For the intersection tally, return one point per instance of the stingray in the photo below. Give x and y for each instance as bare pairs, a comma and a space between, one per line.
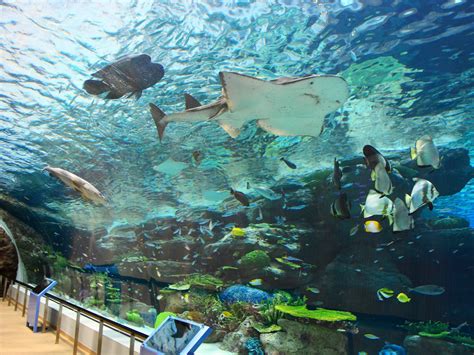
284, 107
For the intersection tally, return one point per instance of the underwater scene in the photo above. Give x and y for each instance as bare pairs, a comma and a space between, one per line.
294, 174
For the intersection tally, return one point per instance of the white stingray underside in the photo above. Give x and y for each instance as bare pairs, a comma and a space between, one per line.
285, 107
290, 107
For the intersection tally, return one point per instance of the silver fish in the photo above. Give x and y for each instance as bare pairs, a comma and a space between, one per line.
402, 221
423, 193
426, 153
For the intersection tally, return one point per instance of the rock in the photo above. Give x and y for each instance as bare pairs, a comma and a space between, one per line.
8, 256
176, 249
304, 339
241, 293
418, 345
109, 248
351, 282
235, 341
450, 222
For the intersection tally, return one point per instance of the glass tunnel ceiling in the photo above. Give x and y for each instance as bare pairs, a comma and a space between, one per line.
414, 77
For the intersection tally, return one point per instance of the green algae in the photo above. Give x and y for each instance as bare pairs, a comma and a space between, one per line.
160, 318
320, 314
262, 329
134, 317
255, 260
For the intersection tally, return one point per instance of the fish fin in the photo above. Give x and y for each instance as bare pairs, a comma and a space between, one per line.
191, 101
373, 175
430, 206
407, 200
231, 129
112, 95
138, 94
390, 219
413, 153
158, 117
95, 87
362, 208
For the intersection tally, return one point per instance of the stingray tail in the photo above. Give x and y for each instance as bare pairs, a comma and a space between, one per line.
158, 117
95, 87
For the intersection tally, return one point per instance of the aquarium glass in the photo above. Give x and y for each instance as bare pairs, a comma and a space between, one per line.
277, 210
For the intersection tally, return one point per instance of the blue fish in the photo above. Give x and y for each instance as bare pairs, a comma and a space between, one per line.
392, 349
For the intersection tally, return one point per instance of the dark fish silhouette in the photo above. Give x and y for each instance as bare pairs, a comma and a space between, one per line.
240, 196
373, 157
341, 208
130, 75
288, 163
181, 329
197, 156
337, 175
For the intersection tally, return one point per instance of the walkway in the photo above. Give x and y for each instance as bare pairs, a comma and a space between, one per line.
16, 338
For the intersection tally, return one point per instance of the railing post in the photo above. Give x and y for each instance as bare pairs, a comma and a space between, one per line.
25, 299
45, 314
9, 291
17, 295
76, 333
58, 327
5, 286
99, 341
132, 344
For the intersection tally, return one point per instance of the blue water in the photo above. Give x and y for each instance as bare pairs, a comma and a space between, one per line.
409, 67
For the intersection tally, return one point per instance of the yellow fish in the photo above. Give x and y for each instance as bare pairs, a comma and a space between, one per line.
403, 298
237, 232
226, 314
372, 227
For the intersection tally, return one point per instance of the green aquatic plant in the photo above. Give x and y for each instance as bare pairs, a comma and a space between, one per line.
262, 329
134, 317
256, 259
429, 327
205, 281
320, 314
438, 330
180, 287
160, 318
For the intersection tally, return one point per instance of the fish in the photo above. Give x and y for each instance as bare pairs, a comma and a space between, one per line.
341, 207
227, 314
197, 156
403, 298
380, 167
314, 290
372, 227
267, 193
130, 75
402, 221
86, 189
371, 336
426, 153
354, 230
384, 293
240, 196
372, 157
288, 263
337, 175
293, 259
423, 193
288, 163
256, 282
382, 184
284, 106
260, 215
428, 290
377, 205
181, 328
237, 232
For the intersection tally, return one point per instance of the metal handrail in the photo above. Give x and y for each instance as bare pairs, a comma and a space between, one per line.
103, 321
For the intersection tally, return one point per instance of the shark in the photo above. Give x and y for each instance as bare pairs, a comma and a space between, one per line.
284, 106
